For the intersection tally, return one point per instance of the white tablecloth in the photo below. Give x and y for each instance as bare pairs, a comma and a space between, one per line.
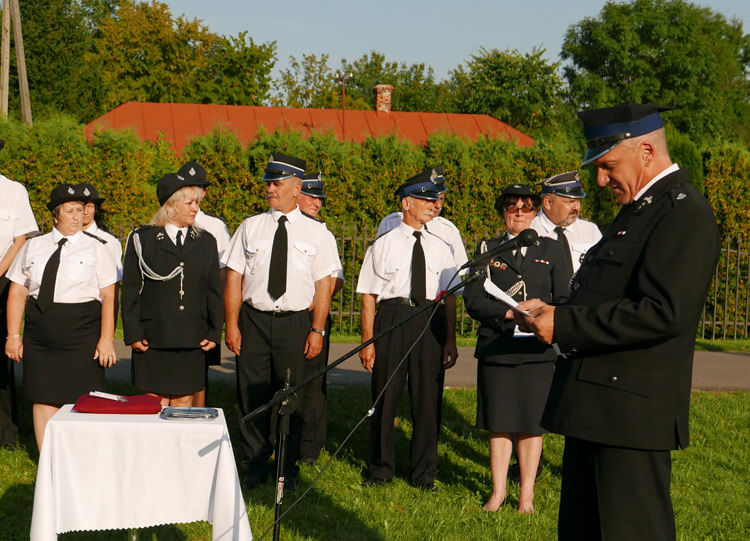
99, 472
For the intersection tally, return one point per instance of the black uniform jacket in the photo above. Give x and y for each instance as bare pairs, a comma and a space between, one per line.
545, 273
629, 326
157, 313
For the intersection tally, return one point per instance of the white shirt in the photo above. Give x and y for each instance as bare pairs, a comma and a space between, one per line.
671, 169
338, 271
16, 216
442, 227
217, 228
86, 266
311, 256
386, 269
581, 235
113, 244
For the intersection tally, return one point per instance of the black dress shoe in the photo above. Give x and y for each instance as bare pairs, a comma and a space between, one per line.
255, 479
374, 481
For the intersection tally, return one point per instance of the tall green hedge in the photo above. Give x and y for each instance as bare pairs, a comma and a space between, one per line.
360, 179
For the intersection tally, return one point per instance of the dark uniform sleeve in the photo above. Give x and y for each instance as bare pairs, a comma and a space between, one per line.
131, 299
480, 306
214, 300
662, 296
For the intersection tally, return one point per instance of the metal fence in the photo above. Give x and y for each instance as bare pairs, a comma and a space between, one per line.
725, 314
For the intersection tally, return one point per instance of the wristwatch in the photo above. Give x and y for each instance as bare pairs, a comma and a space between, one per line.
321, 332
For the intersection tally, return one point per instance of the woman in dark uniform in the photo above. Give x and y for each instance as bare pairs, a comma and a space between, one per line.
515, 370
172, 311
64, 281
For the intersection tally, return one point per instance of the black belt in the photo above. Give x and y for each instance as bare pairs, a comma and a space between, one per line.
403, 301
275, 313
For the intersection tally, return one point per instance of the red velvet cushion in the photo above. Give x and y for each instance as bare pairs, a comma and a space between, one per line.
142, 403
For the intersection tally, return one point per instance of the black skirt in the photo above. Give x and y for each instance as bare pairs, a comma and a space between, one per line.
511, 397
169, 371
58, 352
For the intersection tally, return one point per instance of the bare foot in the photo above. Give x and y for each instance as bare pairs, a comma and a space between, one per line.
494, 503
526, 508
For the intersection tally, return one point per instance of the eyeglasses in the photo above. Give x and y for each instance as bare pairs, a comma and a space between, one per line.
513, 209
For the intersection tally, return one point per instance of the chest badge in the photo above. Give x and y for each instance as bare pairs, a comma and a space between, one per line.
622, 233
542, 261
500, 265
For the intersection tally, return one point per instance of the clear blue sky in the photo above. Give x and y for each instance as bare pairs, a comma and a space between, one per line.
440, 33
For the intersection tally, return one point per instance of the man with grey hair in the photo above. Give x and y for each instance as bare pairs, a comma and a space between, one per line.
560, 217
621, 390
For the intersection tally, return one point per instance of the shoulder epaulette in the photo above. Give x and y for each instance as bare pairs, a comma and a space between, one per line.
312, 217
95, 237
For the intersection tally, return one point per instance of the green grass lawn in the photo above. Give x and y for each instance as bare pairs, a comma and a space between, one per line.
710, 486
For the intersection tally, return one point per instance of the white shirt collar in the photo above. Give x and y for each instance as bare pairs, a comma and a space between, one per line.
669, 170
172, 230
408, 230
56, 236
291, 216
545, 222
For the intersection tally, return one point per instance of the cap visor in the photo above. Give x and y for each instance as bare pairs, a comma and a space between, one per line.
597, 152
268, 176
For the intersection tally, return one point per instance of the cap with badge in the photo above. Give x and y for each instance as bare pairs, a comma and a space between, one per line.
312, 185
565, 184
606, 128
194, 174
90, 193
440, 180
64, 193
516, 191
281, 166
423, 185
169, 184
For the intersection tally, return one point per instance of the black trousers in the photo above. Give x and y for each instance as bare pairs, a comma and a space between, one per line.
424, 370
8, 405
615, 493
271, 344
315, 413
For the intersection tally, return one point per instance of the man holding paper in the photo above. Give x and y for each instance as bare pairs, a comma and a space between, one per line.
515, 370
621, 390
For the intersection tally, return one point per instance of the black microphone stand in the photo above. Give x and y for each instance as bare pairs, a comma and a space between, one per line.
287, 397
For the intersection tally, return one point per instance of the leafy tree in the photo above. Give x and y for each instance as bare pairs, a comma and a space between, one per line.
310, 82
664, 51
415, 88
523, 90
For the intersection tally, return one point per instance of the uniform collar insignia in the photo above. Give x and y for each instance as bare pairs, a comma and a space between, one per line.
192, 234
160, 236
681, 195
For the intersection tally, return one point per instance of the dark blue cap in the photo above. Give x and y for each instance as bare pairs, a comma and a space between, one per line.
64, 193
281, 166
91, 193
423, 185
169, 184
606, 128
312, 185
516, 191
194, 174
565, 184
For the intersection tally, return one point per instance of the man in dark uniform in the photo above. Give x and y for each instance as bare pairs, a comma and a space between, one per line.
621, 390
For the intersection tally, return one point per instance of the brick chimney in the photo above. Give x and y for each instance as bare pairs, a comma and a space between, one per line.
383, 95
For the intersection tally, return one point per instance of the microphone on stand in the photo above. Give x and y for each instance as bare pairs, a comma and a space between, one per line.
527, 237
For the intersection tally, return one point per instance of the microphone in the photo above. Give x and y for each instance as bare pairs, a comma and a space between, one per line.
527, 237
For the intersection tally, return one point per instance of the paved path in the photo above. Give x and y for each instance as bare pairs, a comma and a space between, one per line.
711, 370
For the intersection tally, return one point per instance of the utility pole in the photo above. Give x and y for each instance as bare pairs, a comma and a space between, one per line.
12, 12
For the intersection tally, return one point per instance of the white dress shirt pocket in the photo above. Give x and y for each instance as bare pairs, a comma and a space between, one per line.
255, 254
79, 267
303, 255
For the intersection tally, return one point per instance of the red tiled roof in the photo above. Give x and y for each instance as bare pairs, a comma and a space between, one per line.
180, 122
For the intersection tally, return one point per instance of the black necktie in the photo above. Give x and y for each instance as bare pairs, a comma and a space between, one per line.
179, 240
564, 240
46, 296
518, 258
418, 271
277, 268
